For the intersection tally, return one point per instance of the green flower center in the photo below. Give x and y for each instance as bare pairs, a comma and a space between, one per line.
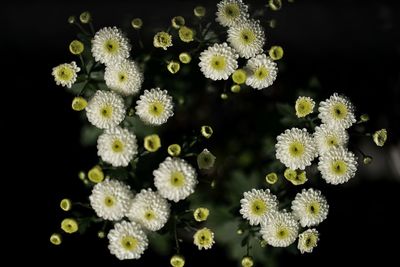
122, 77
177, 179
331, 141
149, 215
117, 146
247, 36
258, 207
109, 201
111, 46
304, 107
156, 108
261, 73
232, 11
339, 111
129, 243
218, 63
296, 149
339, 167
106, 111
65, 73
313, 208
282, 233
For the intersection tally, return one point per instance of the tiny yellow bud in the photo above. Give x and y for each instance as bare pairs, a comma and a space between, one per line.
380, 137
76, 47
185, 58
55, 239
186, 34
206, 131
177, 22
235, 88
204, 238
224, 96
300, 179
271, 178
65, 204
137, 23
364, 118
101, 234
275, 52
239, 76
69, 225
162, 40
201, 214
173, 67
290, 174
367, 160
199, 11
85, 17
177, 261
275, 4
82, 175
71, 19
174, 150
79, 103
247, 261
152, 142
239, 231
96, 174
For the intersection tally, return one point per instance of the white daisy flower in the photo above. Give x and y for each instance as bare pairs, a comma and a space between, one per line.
256, 205
127, 241
105, 109
337, 166
117, 146
337, 111
66, 74
230, 12
280, 230
262, 72
155, 106
310, 207
150, 210
327, 138
308, 240
110, 46
295, 148
218, 62
110, 199
124, 77
247, 38
175, 179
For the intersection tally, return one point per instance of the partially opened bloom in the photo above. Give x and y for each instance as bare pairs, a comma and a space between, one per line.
66, 74
308, 240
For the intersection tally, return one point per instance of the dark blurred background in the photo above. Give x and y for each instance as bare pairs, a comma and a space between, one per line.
352, 47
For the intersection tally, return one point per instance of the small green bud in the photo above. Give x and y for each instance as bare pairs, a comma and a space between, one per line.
173, 67
199, 11
85, 17
235, 88
137, 23
224, 96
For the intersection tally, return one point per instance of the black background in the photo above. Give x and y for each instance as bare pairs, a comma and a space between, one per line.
351, 46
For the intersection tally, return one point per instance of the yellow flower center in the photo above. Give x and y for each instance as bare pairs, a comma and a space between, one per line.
311, 241
156, 108
129, 243
122, 77
339, 111
177, 179
232, 11
313, 208
261, 73
258, 207
117, 146
331, 141
106, 111
65, 73
303, 107
282, 233
296, 149
111, 46
339, 167
218, 63
247, 36
149, 215
109, 201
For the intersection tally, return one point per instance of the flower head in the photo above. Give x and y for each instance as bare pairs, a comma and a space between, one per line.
152, 142
275, 52
124, 77
79, 103
337, 111
262, 72
177, 261
66, 74
304, 106
201, 214
56, 239
328, 138
96, 174
186, 34
308, 240
174, 150
162, 40
230, 12
69, 225
256, 205
204, 238
380, 137
280, 230
205, 160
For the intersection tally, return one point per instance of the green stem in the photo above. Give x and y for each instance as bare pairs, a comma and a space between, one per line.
176, 236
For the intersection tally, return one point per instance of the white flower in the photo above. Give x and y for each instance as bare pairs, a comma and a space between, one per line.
308, 240
117, 146
110, 199
262, 72
218, 62
337, 111
124, 77
150, 210
175, 179
280, 230
247, 38
295, 148
337, 166
256, 205
230, 12
65, 74
310, 207
110, 46
105, 110
327, 138
127, 241
155, 106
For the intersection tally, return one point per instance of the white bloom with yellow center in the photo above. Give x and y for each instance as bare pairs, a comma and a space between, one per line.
124, 77
149, 209
127, 241
105, 109
280, 230
155, 106
327, 138
256, 205
337, 111
66, 74
310, 207
262, 72
110, 46
175, 179
308, 240
204, 238
247, 38
295, 148
230, 12
218, 62
117, 146
304, 106
110, 199
337, 166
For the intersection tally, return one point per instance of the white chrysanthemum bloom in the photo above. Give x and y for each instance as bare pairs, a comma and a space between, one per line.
127, 241
280, 230
327, 138
218, 62
155, 106
256, 205
262, 72
150, 210
65, 74
337, 111
337, 166
110, 46
175, 179
295, 148
110, 199
247, 38
310, 207
105, 109
230, 12
124, 77
117, 146
308, 240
